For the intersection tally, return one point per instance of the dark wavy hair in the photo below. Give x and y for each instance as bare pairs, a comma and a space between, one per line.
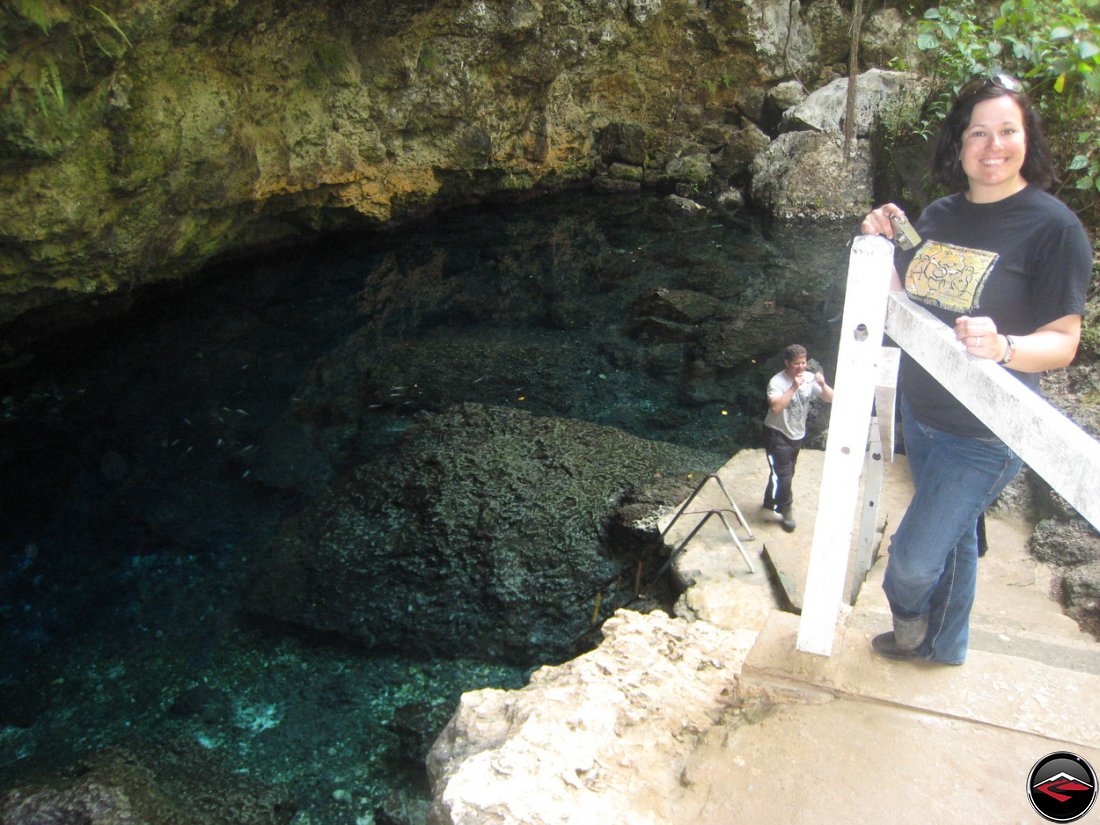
793, 352
1038, 165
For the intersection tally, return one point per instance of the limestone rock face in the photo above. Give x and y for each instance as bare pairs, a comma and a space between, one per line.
577, 736
208, 127
802, 174
784, 42
143, 143
458, 546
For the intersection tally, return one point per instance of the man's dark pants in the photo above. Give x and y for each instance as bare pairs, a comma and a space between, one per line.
782, 456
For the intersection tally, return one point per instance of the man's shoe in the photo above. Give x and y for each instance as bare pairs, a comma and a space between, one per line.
787, 520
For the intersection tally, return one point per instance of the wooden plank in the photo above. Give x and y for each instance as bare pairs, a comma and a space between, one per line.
1052, 445
861, 330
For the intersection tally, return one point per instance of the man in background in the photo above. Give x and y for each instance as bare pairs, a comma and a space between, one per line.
789, 395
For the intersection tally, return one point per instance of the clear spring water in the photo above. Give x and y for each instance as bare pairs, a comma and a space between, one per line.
132, 518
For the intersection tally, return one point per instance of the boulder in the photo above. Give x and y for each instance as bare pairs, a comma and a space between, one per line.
1081, 595
879, 94
805, 174
778, 100
635, 706
733, 157
807, 171
1065, 543
694, 169
485, 536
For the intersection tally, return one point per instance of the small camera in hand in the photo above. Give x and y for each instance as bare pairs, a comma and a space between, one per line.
905, 236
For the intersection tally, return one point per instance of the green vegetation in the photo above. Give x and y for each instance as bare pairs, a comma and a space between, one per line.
49, 87
42, 68
1054, 47
35, 11
329, 61
427, 59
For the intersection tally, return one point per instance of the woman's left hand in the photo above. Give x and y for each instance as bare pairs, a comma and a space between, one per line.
980, 337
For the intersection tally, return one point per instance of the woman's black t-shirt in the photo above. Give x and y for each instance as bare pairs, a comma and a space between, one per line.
1023, 261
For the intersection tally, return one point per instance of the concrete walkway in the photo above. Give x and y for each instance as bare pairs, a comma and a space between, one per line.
854, 738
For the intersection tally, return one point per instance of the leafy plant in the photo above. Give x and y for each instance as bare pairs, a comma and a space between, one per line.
1052, 45
35, 11
49, 87
113, 26
1087, 164
45, 65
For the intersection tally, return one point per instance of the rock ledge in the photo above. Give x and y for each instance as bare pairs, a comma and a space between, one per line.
568, 741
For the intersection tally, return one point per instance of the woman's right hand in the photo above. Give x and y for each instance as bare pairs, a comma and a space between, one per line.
877, 221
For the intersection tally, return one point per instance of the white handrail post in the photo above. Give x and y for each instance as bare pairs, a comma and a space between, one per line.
869, 268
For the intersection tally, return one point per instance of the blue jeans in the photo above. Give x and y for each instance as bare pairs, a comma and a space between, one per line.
933, 565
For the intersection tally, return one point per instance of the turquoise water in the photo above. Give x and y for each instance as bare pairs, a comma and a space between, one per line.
145, 466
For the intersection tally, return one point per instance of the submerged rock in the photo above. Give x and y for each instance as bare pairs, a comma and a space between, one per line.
171, 784
486, 535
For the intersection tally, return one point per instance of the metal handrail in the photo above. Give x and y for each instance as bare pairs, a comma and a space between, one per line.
699, 526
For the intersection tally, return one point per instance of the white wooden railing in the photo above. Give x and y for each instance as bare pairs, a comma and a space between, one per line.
1065, 456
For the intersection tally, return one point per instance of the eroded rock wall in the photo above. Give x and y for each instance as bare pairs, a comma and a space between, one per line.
140, 141
212, 126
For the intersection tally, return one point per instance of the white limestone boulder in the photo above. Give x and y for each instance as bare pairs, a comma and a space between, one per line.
604, 737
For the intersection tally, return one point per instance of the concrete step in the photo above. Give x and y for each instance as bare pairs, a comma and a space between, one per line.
1056, 651
1014, 613
1006, 691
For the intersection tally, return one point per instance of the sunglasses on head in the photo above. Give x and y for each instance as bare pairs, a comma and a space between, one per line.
1001, 81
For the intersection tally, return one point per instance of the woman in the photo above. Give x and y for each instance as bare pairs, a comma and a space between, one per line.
1008, 266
